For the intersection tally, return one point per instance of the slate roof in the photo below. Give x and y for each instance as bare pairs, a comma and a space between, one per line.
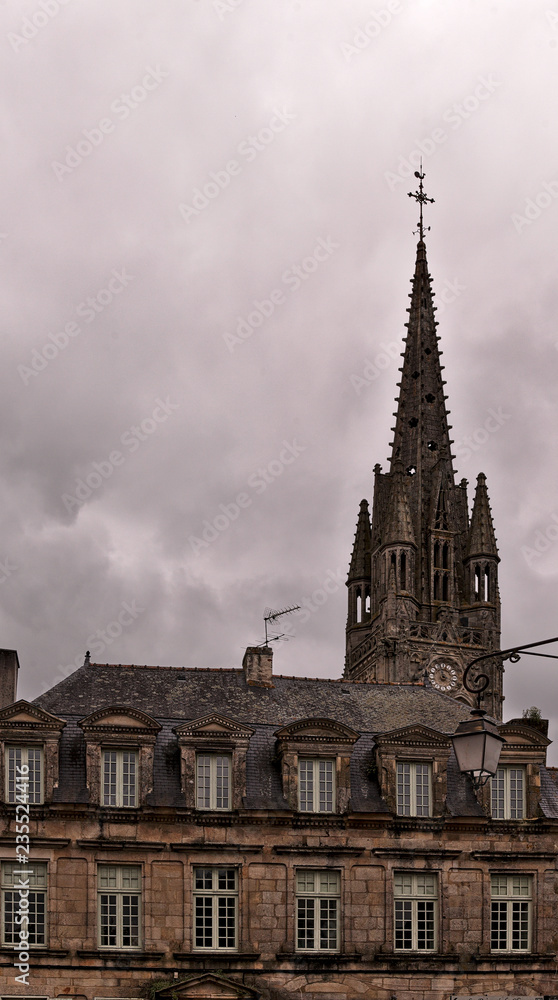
174, 695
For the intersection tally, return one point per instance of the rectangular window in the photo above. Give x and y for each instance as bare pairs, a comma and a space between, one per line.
215, 909
508, 793
416, 911
120, 778
316, 785
119, 905
213, 781
413, 789
511, 912
33, 878
317, 910
31, 784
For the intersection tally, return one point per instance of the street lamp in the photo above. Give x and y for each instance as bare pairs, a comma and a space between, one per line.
477, 742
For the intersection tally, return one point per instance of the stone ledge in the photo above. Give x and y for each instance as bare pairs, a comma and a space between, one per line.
113, 954
208, 846
226, 956
316, 957
322, 849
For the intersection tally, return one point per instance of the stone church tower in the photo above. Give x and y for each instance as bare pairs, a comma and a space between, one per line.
423, 577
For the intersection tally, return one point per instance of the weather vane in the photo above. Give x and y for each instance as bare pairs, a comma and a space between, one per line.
422, 199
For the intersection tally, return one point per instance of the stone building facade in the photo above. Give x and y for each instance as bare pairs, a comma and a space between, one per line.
235, 834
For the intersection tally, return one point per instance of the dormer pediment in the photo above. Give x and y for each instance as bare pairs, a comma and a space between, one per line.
206, 986
517, 734
119, 720
213, 726
25, 716
414, 736
326, 730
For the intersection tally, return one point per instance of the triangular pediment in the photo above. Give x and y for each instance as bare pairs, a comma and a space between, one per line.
207, 986
214, 725
313, 729
519, 733
23, 714
119, 718
416, 735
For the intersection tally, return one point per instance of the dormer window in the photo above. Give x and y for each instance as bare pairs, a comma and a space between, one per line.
120, 778
29, 740
213, 781
315, 757
213, 762
507, 789
119, 750
316, 785
414, 795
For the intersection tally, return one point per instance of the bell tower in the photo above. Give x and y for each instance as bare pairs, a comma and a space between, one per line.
423, 578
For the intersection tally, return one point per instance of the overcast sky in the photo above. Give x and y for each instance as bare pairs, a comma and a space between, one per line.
206, 245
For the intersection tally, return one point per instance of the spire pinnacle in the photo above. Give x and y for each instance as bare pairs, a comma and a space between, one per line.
421, 198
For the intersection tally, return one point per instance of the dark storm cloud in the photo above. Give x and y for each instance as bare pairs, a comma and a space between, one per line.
172, 175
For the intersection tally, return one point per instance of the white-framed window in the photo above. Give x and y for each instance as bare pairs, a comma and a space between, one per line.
32, 758
414, 782
215, 909
415, 911
32, 877
119, 906
318, 895
316, 785
510, 917
213, 781
508, 793
120, 778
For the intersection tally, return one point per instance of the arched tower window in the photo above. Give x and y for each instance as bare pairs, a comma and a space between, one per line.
403, 571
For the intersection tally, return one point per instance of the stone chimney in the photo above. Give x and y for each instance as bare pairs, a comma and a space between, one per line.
9, 666
258, 666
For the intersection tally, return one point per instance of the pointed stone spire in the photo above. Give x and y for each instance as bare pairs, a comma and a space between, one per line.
482, 540
399, 523
421, 429
359, 568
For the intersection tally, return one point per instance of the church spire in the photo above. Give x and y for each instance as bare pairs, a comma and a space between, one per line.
421, 430
359, 568
482, 540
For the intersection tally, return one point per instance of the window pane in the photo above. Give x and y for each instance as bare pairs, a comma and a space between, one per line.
203, 878
108, 920
34, 763
520, 925
130, 921
129, 768
422, 774
204, 781
226, 909
499, 925
222, 782
109, 778
306, 784
403, 923
305, 923
328, 924
204, 921
14, 761
516, 792
425, 925
325, 772
404, 789
305, 881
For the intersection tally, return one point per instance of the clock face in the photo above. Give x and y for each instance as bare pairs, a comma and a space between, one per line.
443, 676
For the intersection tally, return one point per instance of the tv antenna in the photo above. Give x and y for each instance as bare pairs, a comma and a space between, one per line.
270, 615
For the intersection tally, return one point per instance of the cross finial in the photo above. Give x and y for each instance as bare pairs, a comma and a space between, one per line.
421, 198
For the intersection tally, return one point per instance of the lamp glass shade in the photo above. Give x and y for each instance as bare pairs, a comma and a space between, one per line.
477, 744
